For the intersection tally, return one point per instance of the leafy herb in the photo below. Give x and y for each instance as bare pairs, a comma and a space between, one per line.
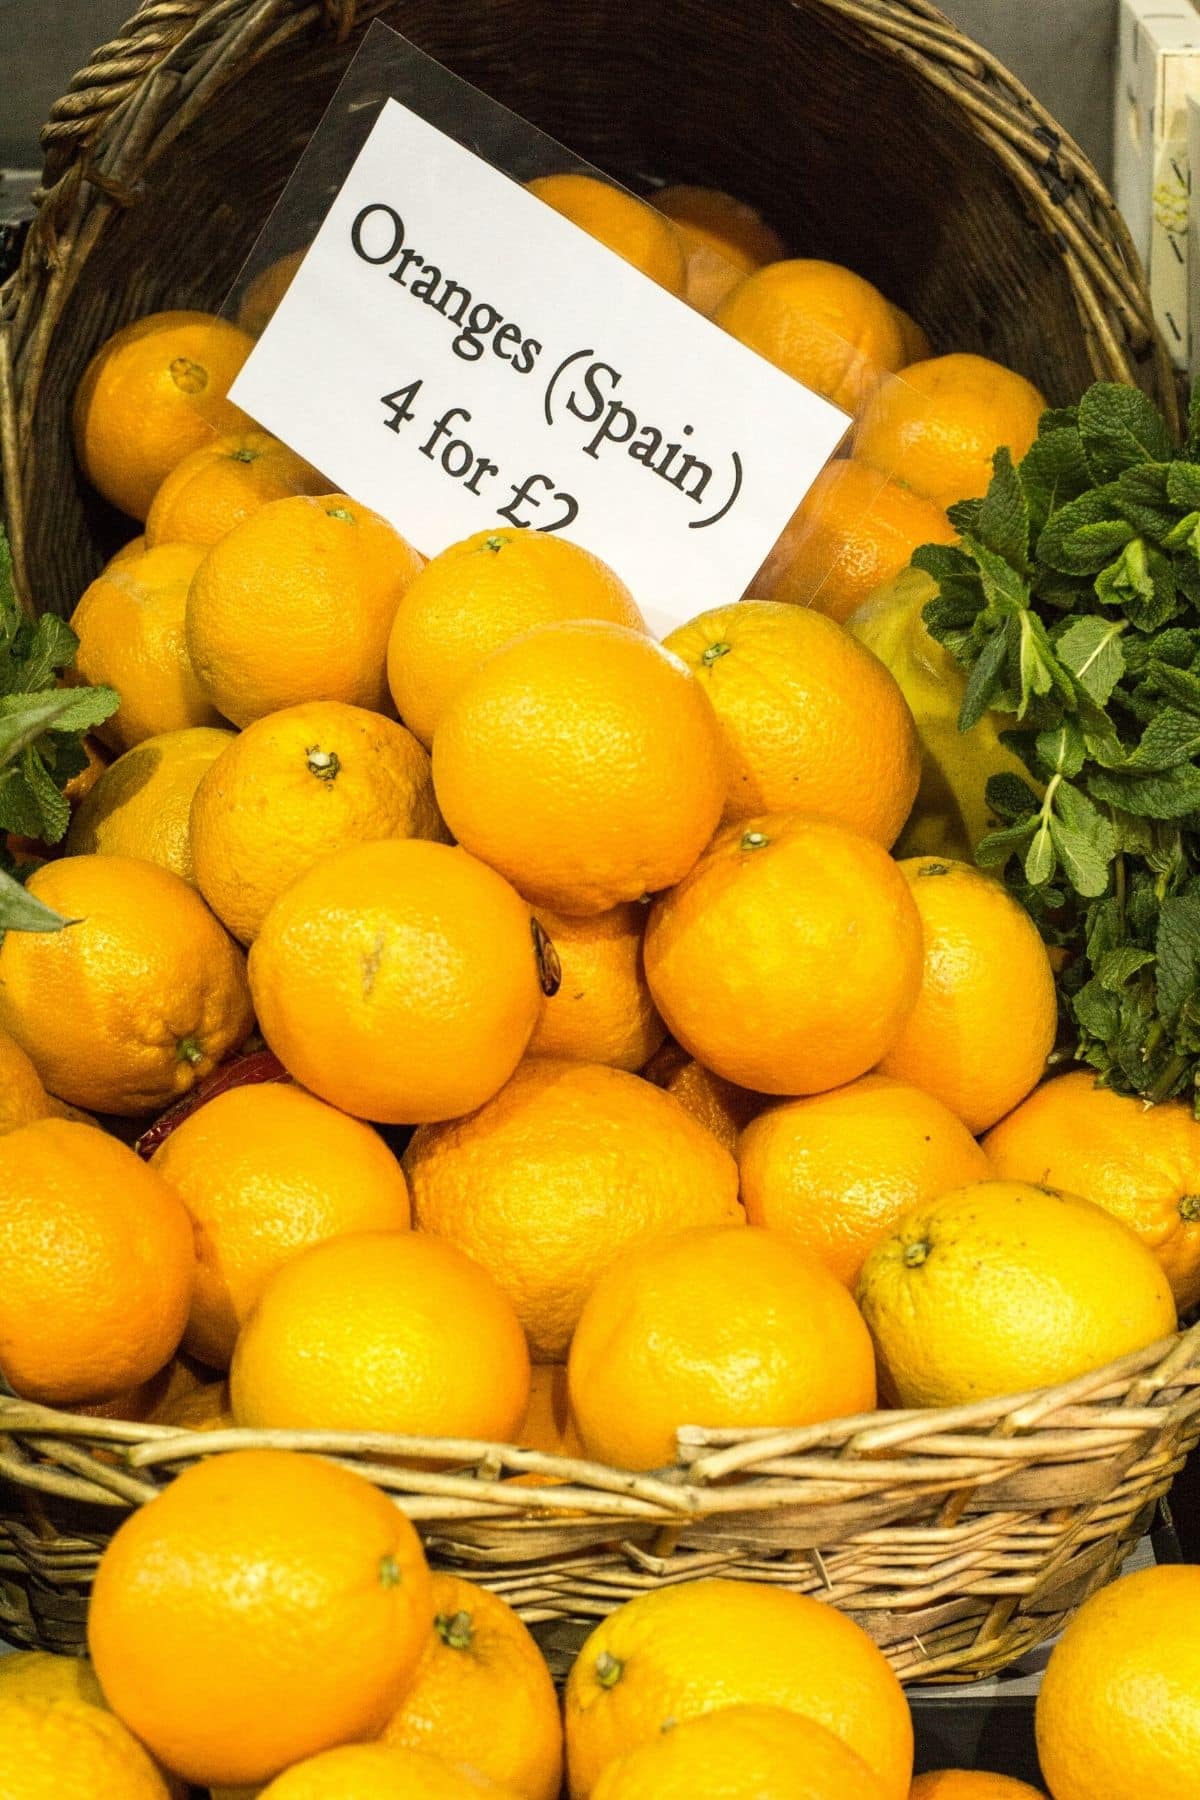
41, 742
1073, 601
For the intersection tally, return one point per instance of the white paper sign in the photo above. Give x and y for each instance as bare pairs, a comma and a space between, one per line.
455, 354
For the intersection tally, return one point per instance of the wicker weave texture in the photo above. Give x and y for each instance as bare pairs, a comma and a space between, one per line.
958, 1539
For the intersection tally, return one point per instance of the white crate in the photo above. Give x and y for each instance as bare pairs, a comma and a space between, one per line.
1158, 67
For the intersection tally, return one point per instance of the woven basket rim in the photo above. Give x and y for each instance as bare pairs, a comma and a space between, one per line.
1119, 1394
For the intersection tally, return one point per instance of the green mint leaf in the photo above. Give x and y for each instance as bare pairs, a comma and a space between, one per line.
1171, 795
1172, 737
1083, 864
1115, 967
1003, 587
1083, 537
53, 808
19, 810
1185, 533
993, 851
1119, 427
1040, 858
1011, 799
1142, 499
19, 911
985, 679
1128, 580
1097, 1011
1079, 814
1183, 485
1002, 521
1061, 751
51, 649
1037, 668
1053, 472
1177, 947
1179, 685
1058, 418
24, 717
1091, 649
964, 514
1193, 435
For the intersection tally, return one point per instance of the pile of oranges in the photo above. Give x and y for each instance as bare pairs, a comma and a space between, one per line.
558, 1056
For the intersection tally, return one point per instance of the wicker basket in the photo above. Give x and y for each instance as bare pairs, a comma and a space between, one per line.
868, 131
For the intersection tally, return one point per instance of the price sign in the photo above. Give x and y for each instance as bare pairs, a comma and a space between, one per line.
455, 354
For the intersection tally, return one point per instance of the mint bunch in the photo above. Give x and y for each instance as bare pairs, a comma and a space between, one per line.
41, 741
1073, 600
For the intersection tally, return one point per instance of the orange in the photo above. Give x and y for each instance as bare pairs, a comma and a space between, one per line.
37, 1675
602, 1011
265, 1606
22, 1096
138, 1001
152, 393
296, 603
130, 626
552, 1181
1001, 1287
1140, 1162
295, 787
741, 1753
852, 531
987, 1014
265, 1171
266, 290
938, 427
971, 1784
722, 1326
98, 759
790, 957
548, 1425
737, 230
810, 720
480, 594
382, 1331
208, 1409
917, 347
836, 1171
381, 1772
584, 762
718, 1105
1119, 1707
141, 804
482, 1694
398, 980
723, 238
627, 225
98, 1265
678, 1652
52, 1749
135, 547
222, 483
819, 323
